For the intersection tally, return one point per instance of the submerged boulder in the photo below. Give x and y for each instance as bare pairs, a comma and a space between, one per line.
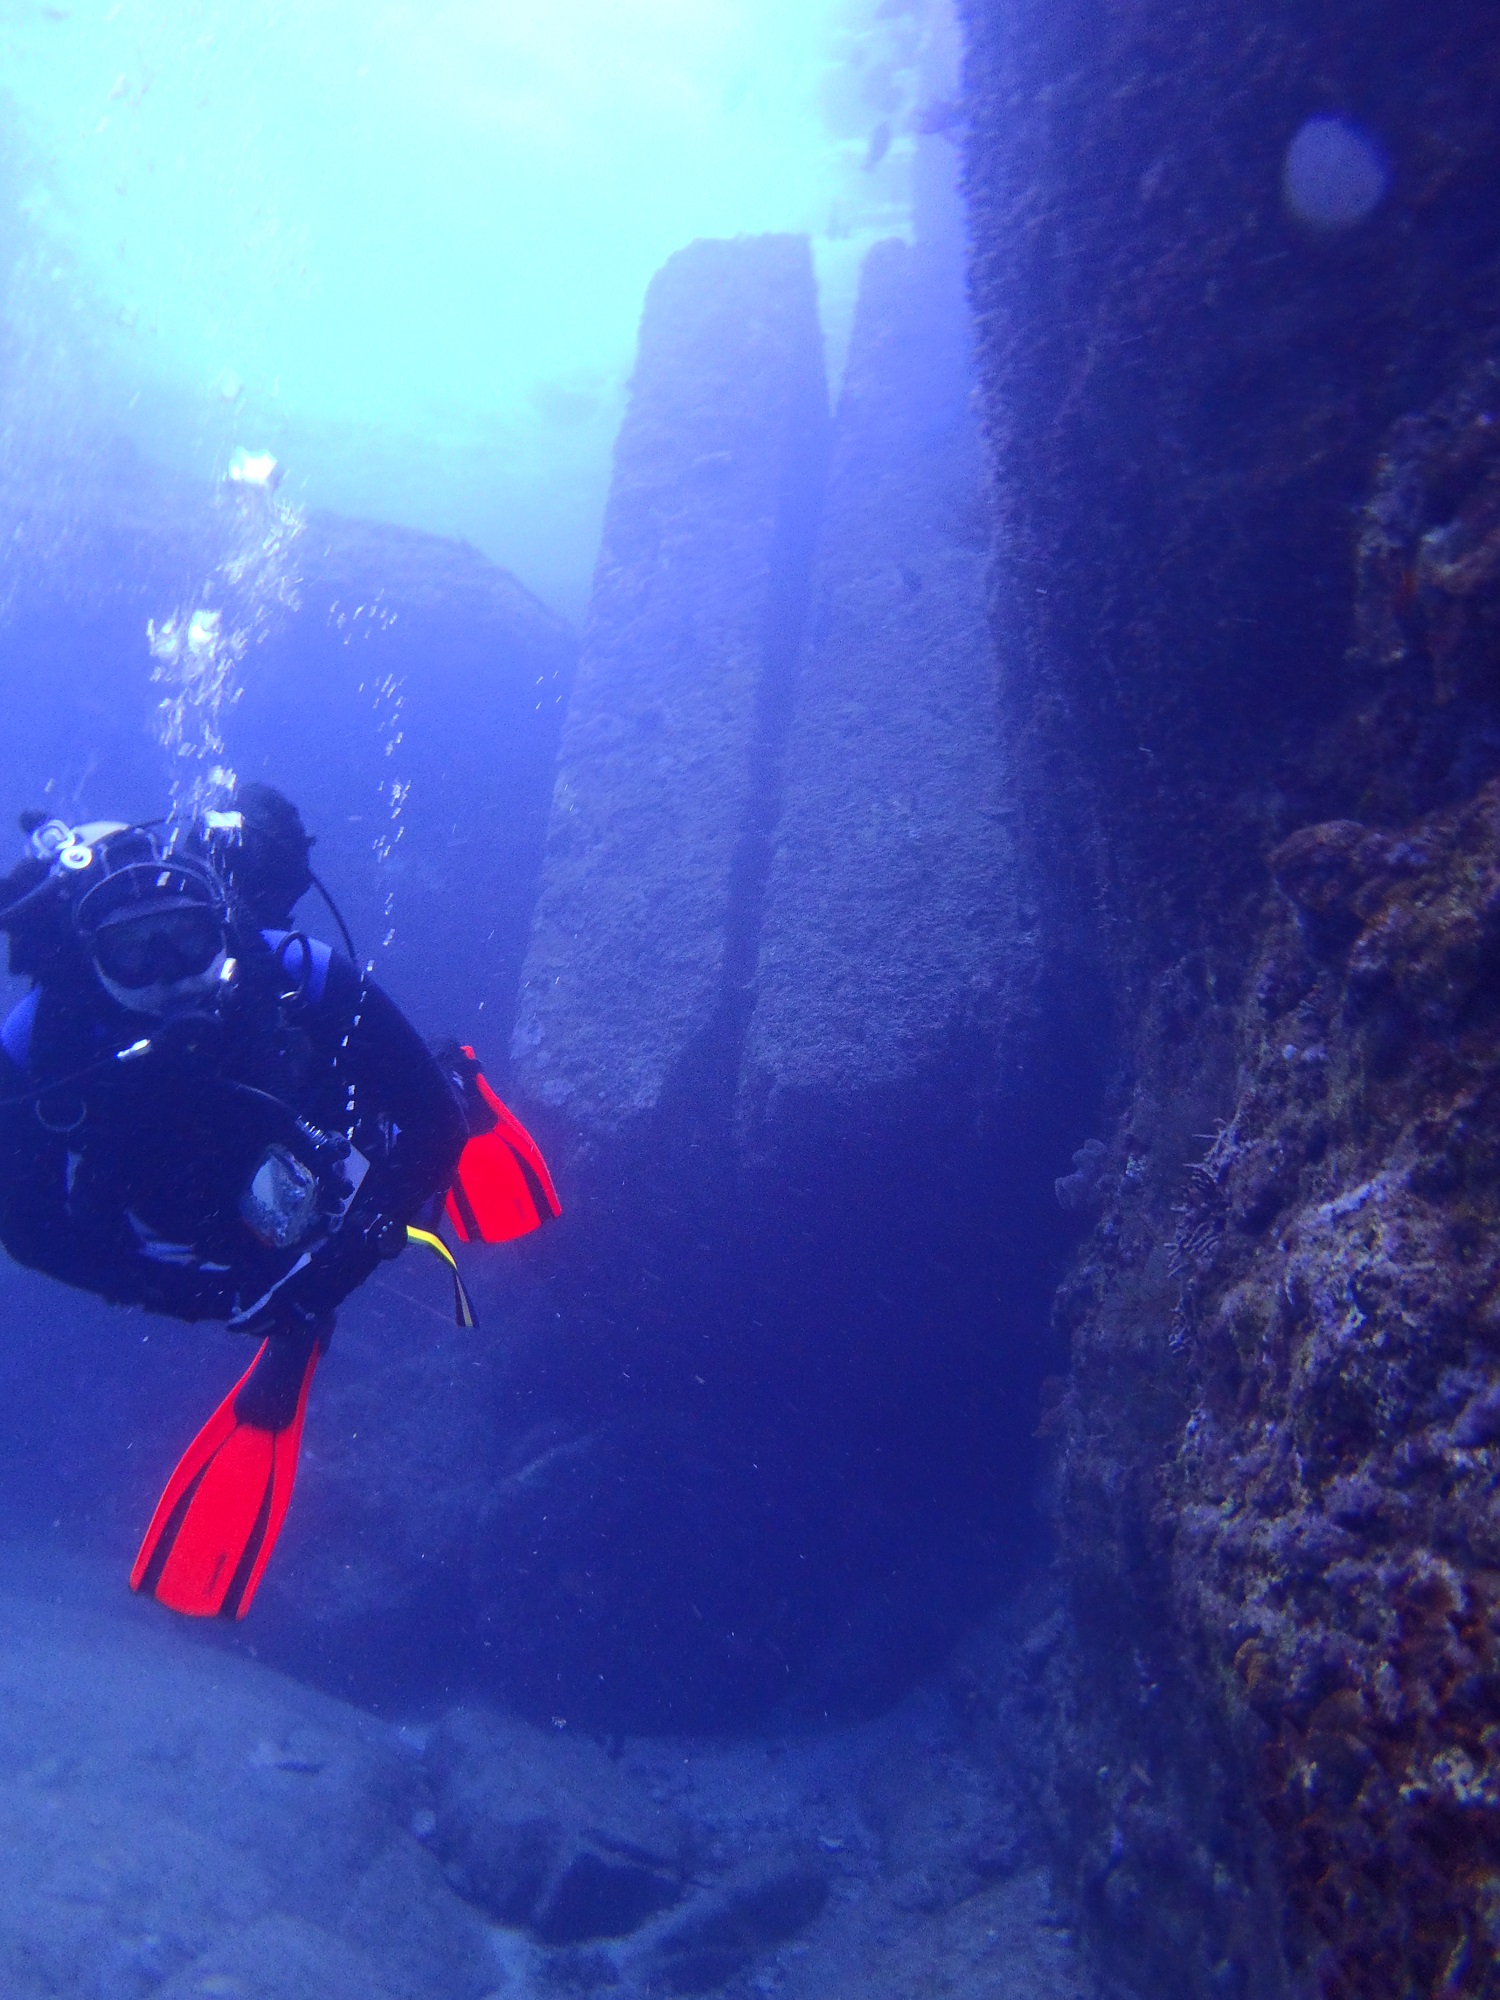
411, 705
184, 1828
550, 1837
759, 1904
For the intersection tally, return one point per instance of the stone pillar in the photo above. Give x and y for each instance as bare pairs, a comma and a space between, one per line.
644, 935
775, 1033
898, 1107
891, 928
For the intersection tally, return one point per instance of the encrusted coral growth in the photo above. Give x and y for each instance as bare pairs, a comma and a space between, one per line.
1422, 728
1334, 1497
1429, 547
1186, 392
1168, 1852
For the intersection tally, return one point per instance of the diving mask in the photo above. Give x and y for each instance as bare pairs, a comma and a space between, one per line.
154, 924
159, 946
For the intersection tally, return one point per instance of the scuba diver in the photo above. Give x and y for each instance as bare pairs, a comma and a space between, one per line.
208, 1113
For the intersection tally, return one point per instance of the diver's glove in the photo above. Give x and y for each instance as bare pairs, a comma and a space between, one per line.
461, 1067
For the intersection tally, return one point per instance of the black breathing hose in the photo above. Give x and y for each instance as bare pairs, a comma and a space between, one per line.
338, 916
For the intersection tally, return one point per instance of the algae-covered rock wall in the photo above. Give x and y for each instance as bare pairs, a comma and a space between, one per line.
1186, 389
1245, 594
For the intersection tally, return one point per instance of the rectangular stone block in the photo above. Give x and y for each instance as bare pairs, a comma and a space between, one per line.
892, 946
644, 933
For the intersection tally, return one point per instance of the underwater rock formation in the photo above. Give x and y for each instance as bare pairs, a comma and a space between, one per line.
780, 1020
551, 1837
890, 926
881, 1858
628, 1570
160, 1819
635, 987
1339, 1320
1244, 599
644, 932
163, 1804
1153, 328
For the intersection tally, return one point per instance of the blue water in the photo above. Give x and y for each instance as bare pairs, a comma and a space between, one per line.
408, 250
317, 332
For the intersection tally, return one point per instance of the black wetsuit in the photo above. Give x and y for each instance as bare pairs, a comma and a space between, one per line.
129, 1179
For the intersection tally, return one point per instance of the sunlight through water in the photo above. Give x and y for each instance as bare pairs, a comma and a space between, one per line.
405, 246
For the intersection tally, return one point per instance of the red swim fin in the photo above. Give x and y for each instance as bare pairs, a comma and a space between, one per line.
216, 1524
502, 1189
